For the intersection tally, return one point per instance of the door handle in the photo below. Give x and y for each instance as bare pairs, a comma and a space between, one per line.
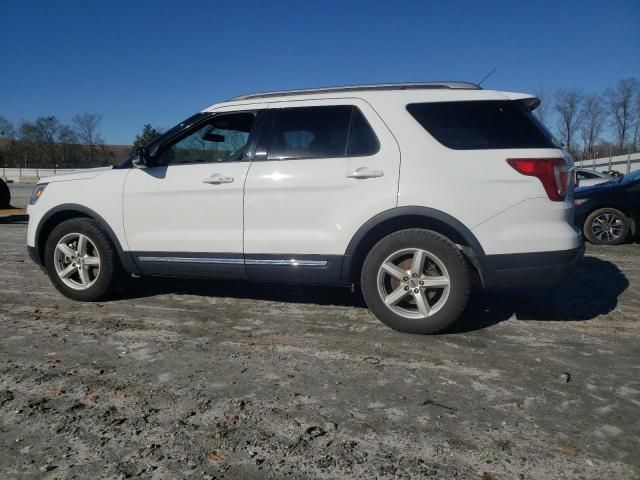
365, 172
217, 179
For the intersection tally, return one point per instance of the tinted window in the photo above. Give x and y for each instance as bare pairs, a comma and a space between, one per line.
362, 140
313, 132
480, 125
220, 139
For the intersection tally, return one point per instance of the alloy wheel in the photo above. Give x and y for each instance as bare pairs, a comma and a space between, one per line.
413, 283
77, 261
607, 227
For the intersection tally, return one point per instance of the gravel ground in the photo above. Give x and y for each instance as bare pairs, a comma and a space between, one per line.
210, 379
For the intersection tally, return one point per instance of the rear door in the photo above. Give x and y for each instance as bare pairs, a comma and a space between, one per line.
322, 168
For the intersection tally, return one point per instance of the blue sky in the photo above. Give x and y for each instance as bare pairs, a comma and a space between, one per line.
157, 62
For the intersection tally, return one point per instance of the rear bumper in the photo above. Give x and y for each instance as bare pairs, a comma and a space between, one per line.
529, 269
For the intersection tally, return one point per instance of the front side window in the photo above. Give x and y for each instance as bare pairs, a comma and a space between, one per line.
481, 125
315, 132
223, 138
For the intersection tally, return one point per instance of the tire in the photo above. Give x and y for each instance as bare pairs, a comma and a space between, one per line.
445, 299
5, 195
99, 282
606, 226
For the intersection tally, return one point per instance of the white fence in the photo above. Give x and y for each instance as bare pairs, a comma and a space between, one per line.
626, 163
16, 174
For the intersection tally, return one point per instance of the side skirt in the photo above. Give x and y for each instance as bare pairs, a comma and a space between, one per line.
305, 269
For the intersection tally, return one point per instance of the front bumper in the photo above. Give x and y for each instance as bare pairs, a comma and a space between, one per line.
529, 269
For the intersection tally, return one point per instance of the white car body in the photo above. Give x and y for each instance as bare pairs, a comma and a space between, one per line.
303, 219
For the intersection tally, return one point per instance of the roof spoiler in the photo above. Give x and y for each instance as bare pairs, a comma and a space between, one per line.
530, 103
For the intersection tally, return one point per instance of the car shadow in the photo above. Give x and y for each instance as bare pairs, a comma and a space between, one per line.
592, 291
276, 292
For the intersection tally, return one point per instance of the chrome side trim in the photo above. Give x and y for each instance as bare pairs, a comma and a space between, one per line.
289, 262
225, 261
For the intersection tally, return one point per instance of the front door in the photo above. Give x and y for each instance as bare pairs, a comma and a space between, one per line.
183, 214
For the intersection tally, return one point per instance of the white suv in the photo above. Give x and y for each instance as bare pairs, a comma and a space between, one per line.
407, 190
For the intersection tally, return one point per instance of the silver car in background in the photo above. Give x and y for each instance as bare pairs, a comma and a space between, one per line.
589, 178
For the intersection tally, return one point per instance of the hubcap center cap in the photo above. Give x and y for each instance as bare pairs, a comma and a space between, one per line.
413, 282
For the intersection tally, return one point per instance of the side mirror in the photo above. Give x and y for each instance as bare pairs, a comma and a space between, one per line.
141, 160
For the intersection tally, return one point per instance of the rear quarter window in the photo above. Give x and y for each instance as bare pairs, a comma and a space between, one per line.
480, 125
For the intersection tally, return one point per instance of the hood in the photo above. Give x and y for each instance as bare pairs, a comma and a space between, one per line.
82, 174
583, 192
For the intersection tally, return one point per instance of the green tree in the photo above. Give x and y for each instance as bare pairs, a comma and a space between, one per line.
149, 134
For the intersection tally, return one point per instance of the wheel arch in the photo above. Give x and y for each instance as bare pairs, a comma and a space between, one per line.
401, 218
63, 212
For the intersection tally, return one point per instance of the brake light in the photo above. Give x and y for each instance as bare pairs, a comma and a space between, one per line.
552, 172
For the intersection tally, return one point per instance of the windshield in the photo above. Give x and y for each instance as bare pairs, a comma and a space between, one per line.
623, 180
630, 177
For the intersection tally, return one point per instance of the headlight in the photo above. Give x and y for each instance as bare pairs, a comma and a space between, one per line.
37, 193
579, 201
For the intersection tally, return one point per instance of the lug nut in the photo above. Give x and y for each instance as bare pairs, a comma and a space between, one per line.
405, 278
414, 274
406, 288
416, 290
421, 282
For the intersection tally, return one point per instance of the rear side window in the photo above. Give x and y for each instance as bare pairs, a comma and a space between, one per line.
480, 125
314, 132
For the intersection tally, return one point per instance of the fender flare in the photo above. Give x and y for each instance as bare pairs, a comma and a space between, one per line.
126, 259
474, 251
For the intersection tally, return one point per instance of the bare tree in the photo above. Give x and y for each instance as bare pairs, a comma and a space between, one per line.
594, 116
636, 130
86, 127
545, 100
6, 129
620, 101
46, 131
67, 142
568, 104
27, 136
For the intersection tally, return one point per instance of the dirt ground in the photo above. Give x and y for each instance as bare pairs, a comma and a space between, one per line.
211, 379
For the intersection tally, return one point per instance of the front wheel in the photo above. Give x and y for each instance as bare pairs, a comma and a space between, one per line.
606, 226
416, 281
81, 261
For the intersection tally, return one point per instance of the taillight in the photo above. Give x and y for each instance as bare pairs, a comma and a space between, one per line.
552, 172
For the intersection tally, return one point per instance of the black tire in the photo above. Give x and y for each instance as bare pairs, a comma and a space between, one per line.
110, 270
5, 195
591, 222
448, 254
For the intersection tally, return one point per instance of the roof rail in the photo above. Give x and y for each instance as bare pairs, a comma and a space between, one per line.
358, 88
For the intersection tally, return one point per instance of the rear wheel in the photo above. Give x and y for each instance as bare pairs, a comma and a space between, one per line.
81, 261
416, 281
606, 226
